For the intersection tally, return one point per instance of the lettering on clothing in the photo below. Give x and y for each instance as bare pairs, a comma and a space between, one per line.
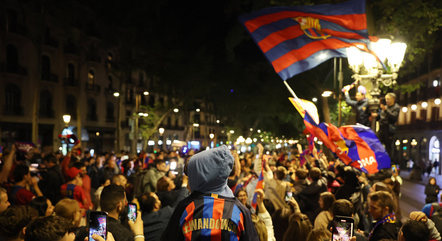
210, 223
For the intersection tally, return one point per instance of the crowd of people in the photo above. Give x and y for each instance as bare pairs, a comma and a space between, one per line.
215, 194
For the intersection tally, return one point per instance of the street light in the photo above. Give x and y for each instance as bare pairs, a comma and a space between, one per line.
161, 130
327, 93
116, 94
66, 119
367, 70
146, 93
176, 110
211, 136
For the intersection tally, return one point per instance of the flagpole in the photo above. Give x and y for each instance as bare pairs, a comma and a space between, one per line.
290, 90
340, 79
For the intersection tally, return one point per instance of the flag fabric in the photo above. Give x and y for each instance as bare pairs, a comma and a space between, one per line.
259, 185
296, 39
355, 145
302, 106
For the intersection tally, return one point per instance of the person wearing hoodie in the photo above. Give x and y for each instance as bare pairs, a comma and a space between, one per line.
211, 211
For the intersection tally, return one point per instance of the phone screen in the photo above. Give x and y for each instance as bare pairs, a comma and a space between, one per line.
132, 212
342, 228
97, 224
288, 196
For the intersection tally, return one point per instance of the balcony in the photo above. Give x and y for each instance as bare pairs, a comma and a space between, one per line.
49, 77
13, 110
13, 69
94, 89
71, 82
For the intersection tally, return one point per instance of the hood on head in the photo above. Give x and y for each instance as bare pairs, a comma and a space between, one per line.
208, 171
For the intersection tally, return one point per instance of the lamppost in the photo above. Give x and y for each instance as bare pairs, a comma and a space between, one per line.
136, 119
211, 136
160, 139
66, 120
368, 71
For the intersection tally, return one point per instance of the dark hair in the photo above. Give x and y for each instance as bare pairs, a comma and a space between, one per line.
147, 202
159, 161
384, 199
40, 204
78, 164
301, 174
342, 207
51, 228
315, 174
111, 196
328, 199
162, 184
14, 219
280, 172
50, 158
260, 227
299, 227
415, 231
319, 235
20, 171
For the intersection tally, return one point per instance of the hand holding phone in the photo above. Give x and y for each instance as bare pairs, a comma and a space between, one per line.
132, 212
288, 196
342, 228
97, 224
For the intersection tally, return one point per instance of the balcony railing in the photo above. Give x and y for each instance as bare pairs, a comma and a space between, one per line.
95, 89
70, 82
14, 69
49, 77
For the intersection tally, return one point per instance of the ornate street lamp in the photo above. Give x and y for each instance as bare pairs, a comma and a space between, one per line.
369, 72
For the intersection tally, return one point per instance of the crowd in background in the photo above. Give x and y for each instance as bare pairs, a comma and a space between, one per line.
46, 196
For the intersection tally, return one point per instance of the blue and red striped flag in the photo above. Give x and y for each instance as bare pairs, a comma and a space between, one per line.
296, 39
259, 185
355, 145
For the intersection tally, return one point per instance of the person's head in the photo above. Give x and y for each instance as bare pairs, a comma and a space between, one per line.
299, 227
51, 228
120, 180
75, 175
69, 209
413, 230
432, 181
149, 202
242, 196
260, 227
315, 174
21, 172
280, 173
160, 164
208, 171
380, 204
301, 174
50, 160
14, 220
390, 99
319, 235
165, 184
43, 205
379, 186
360, 94
326, 200
4, 202
342, 207
111, 162
113, 199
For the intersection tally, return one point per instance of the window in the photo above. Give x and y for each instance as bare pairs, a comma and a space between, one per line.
45, 67
423, 114
91, 78
435, 113
13, 100
141, 78
46, 104
110, 82
91, 110
71, 106
11, 58
110, 112
70, 75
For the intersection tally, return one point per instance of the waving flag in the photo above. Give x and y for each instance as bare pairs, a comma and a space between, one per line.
355, 145
296, 39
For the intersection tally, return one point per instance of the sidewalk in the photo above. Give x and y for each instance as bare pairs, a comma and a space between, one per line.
405, 174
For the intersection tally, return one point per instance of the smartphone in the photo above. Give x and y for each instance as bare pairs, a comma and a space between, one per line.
97, 223
288, 196
342, 228
132, 211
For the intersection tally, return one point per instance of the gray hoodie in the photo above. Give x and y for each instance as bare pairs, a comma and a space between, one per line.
208, 171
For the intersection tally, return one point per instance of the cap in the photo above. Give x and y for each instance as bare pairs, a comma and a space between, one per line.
73, 172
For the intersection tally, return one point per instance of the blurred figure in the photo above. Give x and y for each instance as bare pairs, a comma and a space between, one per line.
20, 193
43, 205
14, 220
361, 105
4, 202
431, 190
69, 209
52, 228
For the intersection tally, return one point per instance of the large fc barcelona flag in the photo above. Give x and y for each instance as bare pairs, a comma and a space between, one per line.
355, 145
296, 39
